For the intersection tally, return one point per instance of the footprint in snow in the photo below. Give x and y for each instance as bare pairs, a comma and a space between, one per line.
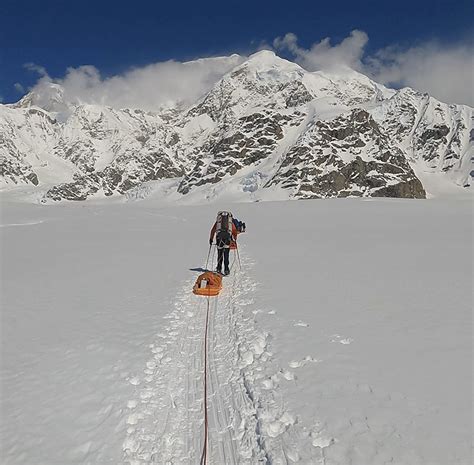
277, 426
321, 441
131, 404
341, 340
302, 363
288, 375
268, 384
151, 364
134, 418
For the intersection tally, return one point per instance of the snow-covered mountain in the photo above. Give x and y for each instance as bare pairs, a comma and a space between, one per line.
267, 129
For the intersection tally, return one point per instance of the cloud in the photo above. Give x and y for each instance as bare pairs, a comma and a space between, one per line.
446, 72
149, 88
41, 70
323, 55
441, 70
19, 88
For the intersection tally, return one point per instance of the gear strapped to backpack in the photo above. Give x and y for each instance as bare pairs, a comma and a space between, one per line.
224, 229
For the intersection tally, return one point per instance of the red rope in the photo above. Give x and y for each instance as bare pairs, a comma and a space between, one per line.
206, 426
206, 423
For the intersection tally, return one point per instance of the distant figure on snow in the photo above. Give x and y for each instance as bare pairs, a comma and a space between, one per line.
225, 231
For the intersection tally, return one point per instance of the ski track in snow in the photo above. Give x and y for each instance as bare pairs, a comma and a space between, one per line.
8, 225
248, 422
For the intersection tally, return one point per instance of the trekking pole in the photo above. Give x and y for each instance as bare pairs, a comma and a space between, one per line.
238, 255
208, 255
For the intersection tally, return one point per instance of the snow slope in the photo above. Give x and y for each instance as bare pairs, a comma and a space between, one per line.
344, 339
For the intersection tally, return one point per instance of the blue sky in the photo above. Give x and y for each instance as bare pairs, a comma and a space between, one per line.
115, 36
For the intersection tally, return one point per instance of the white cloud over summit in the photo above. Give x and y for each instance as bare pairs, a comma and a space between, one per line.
446, 72
323, 55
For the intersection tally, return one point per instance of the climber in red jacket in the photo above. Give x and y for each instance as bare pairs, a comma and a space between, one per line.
225, 231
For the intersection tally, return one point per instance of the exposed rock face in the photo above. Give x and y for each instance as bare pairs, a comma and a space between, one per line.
114, 178
267, 124
434, 136
326, 161
253, 138
17, 172
79, 189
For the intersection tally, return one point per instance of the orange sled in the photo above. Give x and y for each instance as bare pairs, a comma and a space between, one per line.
208, 284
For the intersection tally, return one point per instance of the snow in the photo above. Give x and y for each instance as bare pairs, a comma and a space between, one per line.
344, 339
34, 139
269, 67
198, 128
49, 96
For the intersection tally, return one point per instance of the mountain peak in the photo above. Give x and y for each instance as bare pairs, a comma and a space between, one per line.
268, 58
48, 95
263, 54
267, 66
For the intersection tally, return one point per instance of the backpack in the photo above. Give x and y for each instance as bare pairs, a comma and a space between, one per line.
224, 229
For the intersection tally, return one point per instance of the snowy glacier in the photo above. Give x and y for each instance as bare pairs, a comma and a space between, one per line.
343, 338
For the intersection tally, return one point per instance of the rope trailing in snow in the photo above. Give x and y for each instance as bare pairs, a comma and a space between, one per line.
206, 330
206, 424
